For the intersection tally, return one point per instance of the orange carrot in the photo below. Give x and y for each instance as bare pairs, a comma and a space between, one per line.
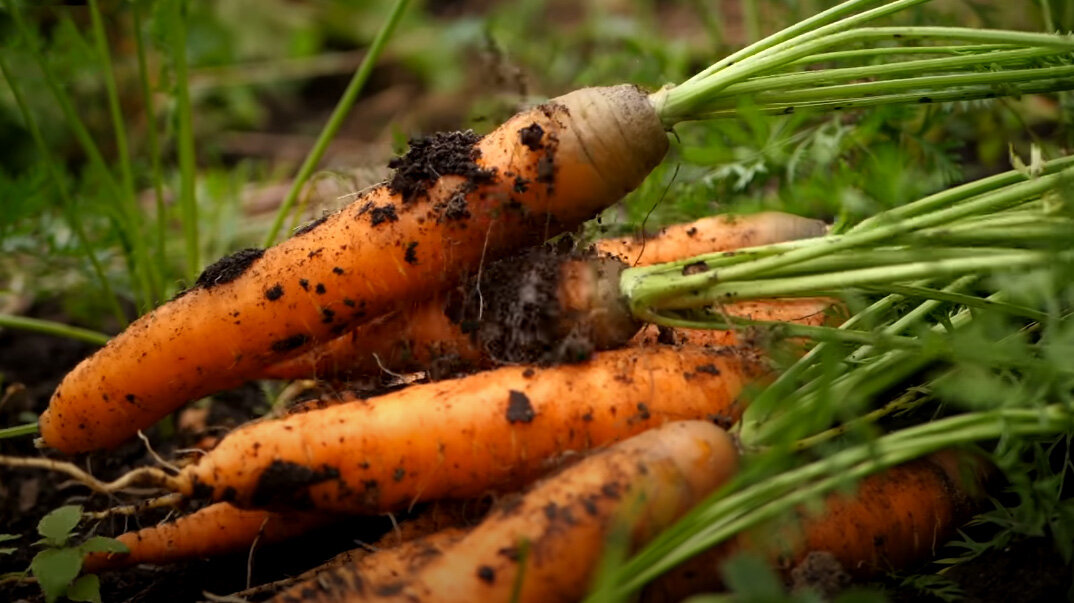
813, 311
709, 235
431, 336
894, 519
546, 546
540, 307
453, 202
213, 530
355, 570
222, 528
489, 431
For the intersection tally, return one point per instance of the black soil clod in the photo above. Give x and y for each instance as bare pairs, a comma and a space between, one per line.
274, 293
301, 230
290, 343
513, 311
708, 369
433, 156
519, 409
486, 574
305, 284
455, 208
283, 484
384, 213
531, 135
411, 256
228, 268
695, 268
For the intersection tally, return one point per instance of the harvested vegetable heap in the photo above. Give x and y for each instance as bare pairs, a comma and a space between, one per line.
600, 392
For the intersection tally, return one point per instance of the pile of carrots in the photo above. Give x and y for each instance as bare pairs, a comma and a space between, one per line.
587, 427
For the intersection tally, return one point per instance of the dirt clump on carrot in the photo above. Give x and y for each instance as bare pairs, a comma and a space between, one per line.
546, 545
540, 307
492, 431
724, 232
386, 248
811, 311
892, 520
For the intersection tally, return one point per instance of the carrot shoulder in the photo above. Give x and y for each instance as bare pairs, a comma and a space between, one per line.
549, 542
453, 201
489, 431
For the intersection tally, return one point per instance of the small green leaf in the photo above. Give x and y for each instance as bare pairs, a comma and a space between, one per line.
7, 537
55, 569
7, 551
86, 588
56, 526
102, 544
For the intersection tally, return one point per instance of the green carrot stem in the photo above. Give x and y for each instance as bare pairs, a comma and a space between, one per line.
766, 84
888, 51
959, 193
972, 301
687, 101
18, 431
335, 121
659, 291
803, 285
838, 18
49, 327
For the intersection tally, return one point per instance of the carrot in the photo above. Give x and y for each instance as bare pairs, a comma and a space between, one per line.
814, 311
541, 306
709, 235
894, 519
489, 431
213, 530
222, 528
432, 336
353, 570
454, 201
545, 546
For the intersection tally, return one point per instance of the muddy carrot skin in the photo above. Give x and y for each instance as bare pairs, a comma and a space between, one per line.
213, 530
724, 232
490, 431
892, 520
550, 540
811, 311
354, 571
454, 201
222, 528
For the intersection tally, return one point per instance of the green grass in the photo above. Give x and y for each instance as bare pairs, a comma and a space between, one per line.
121, 190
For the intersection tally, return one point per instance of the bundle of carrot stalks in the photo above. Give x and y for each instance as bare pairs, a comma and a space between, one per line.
614, 429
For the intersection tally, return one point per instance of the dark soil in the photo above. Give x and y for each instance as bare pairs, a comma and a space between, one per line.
514, 310
434, 156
